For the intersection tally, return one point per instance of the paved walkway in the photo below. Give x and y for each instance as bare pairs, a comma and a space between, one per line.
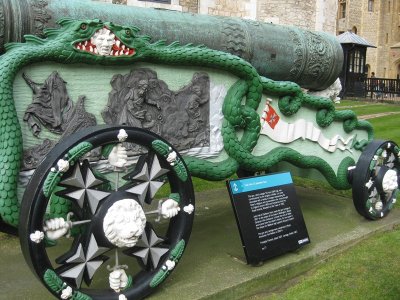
213, 266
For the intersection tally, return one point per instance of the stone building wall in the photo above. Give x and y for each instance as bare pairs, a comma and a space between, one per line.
317, 15
326, 12
380, 27
291, 12
231, 8
313, 15
191, 6
178, 5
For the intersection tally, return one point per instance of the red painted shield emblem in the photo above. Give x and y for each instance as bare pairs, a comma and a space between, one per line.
272, 117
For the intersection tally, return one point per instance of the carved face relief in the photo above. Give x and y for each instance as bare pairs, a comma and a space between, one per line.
192, 109
103, 39
139, 92
389, 182
124, 223
104, 42
196, 90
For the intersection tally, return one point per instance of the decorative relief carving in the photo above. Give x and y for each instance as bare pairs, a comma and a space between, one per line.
235, 39
2, 25
297, 67
41, 16
52, 108
123, 2
318, 63
33, 156
137, 99
314, 64
142, 100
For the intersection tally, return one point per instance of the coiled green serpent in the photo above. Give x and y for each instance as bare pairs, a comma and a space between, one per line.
60, 46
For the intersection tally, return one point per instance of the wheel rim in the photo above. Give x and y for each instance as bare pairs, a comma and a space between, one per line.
76, 265
376, 179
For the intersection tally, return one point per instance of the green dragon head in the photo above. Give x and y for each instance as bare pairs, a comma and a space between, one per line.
100, 39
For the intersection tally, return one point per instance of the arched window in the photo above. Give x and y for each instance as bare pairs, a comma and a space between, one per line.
370, 5
354, 29
342, 9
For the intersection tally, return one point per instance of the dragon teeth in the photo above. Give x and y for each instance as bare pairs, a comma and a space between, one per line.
121, 48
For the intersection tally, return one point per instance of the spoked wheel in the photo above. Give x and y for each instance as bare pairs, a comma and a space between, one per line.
89, 234
376, 179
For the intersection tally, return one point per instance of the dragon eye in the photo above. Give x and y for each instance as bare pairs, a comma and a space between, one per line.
83, 26
128, 32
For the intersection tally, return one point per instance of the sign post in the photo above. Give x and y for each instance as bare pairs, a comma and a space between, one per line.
268, 215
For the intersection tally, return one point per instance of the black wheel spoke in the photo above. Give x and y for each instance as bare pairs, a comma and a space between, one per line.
109, 216
376, 179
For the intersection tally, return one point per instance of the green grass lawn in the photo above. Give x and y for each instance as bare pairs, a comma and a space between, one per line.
372, 108
369, 270
387, 128
350, 103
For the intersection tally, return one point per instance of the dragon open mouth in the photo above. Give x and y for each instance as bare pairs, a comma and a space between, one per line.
105, 43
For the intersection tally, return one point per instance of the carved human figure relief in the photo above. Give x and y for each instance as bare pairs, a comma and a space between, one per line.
332, 92
51, 105
141, 99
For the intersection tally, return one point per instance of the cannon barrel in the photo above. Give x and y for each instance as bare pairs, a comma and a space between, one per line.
311, 59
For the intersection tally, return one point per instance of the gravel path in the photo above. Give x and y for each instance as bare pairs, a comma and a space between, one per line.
372, 116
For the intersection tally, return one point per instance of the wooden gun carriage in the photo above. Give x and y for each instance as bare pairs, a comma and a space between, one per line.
101, 131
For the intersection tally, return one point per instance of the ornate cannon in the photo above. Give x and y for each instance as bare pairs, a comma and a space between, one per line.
122, 191
311, 59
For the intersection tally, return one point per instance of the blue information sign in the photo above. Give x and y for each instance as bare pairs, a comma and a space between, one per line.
268, 215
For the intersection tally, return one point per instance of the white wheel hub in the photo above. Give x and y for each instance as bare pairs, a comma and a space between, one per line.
124, 223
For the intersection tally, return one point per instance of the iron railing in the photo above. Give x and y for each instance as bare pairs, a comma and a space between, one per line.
382, 88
